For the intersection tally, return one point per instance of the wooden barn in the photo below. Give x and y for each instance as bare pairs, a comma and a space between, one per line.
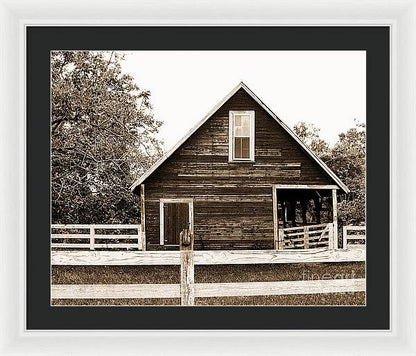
240, 179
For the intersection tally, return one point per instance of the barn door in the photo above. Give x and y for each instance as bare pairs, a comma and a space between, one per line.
176, 218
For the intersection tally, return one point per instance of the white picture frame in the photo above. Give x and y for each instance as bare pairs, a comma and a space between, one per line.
16, 15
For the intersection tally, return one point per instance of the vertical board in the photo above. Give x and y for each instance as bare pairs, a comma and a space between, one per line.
142, 218
275, 219
335, 217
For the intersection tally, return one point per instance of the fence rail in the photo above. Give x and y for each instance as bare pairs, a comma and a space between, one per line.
93, 240
307, 237
204, 290
357, 234
140, 258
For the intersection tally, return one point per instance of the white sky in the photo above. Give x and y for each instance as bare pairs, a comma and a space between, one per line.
326, 88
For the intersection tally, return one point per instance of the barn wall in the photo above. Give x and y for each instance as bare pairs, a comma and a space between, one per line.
232, 201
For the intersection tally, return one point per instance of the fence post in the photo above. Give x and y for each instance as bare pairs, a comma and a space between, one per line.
280, 237
141, 240
305, 237
344, 237
331, 236
186, 240
92, 238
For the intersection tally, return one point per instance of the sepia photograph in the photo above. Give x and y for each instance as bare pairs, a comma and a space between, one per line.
208, 178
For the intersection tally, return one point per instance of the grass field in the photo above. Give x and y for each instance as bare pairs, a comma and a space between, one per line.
212, 274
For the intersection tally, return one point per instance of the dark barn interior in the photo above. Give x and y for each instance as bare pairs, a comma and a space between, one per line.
300, 207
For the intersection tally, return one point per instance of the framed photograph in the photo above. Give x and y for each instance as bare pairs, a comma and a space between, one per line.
221, 179
243, 209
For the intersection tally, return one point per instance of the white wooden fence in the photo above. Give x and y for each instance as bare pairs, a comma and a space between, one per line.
187, 289
294, 238
356, 234
70, 237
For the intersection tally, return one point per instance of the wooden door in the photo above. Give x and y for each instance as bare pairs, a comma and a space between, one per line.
176, 218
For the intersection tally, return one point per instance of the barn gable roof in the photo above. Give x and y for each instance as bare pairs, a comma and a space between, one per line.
243, 86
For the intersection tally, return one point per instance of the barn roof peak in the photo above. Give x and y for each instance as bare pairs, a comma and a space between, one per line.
240, 85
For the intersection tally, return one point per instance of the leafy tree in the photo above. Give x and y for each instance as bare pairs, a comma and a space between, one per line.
103, 135
309, 134
348, 162
347, 159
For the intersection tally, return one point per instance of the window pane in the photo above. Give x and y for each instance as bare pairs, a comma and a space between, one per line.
245, 147
237, 120
242, 147
242, 125
237, 147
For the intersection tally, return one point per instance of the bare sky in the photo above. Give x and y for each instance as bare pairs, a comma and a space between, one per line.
326, 88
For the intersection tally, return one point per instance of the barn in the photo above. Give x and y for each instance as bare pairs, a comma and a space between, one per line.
240, 179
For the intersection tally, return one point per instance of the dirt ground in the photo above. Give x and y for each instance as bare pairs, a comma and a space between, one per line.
212, 274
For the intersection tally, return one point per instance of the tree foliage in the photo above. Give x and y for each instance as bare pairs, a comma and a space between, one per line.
309, 134
103, 135
347, 159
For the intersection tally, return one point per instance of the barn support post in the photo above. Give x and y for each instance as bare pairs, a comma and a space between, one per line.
335, 217
292, 212
275, 219
304, 205
318, 207
142, 243
284, 210
186, 241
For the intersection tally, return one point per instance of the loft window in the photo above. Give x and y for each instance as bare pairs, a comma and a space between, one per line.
241, 136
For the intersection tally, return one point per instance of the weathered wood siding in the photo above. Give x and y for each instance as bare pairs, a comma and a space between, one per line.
232, 201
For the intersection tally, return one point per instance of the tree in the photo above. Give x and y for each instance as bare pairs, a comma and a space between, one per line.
103, 135
309, 134
347, 160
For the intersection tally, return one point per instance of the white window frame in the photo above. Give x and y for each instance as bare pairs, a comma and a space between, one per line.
231, 141
162, 202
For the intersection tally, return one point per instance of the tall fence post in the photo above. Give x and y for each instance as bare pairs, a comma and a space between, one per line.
187, 268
